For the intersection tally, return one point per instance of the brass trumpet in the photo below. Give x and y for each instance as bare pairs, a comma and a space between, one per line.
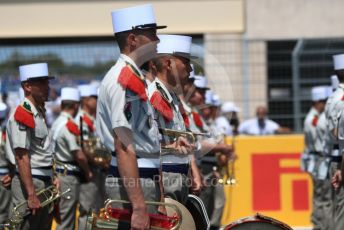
109, 217
190, 136
97, 153
47, 196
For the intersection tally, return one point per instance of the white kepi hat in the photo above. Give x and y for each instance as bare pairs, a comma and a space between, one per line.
319, 93
88, 90
34, 71
175, 44
338, 61
216, 101
201, 82
131, 18
70, 94
3, 110
229, 107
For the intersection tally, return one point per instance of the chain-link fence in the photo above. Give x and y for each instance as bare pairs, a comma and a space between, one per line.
278, 74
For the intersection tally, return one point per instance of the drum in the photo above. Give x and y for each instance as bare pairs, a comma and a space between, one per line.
196, 207
257, 222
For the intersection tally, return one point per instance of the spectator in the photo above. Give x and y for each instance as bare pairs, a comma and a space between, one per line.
261, 125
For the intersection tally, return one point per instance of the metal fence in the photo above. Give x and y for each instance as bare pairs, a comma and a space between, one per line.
278, 74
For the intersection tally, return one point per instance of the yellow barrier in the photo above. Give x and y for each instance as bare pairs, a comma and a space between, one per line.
269, 180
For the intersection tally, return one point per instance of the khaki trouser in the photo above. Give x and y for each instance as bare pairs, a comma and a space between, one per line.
68, 204
92, 196
43, 218
5, 203
176, 186
115, 189
322, 215
338, 201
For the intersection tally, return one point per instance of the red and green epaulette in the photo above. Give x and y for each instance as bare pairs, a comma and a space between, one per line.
315, 120
130, 80
72, 127
185, 115
24, 116
162, 106
197, 119
88, 122
186, 120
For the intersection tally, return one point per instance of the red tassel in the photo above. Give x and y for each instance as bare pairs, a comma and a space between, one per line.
315, 121
24, 117
129, 80
343, 98
197, 119
88, 122
162, 106
73, 128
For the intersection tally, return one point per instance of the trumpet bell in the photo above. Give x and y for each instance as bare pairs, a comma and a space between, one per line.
95, 150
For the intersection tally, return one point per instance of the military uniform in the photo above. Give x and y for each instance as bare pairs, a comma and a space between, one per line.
92, 195
65, 133
333, 108
5, 193
323, 207
321, 187
213, 195
27, 129
175, 168
123, 102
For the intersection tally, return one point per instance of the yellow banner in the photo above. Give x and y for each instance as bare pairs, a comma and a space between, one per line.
269, 181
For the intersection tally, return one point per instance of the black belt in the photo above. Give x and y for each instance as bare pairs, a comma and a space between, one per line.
336, 147
69, 172
151, 173
176, 168
336, 159
74, 163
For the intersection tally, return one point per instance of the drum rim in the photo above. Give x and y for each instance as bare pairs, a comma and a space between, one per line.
259, 218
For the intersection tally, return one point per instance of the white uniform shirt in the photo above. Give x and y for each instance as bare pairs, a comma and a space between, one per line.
177, 122
309, 129
122, 108
65, 141
37, 140
86, 128
223, 125
251, 127
333, 108
322, 135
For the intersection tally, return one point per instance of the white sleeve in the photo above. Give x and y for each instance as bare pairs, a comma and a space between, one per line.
116, 100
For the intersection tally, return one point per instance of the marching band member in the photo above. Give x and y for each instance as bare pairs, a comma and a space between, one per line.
173, 69
333, 111
92, 193
314, 154
125, 119
29, 141
6, 171
71, 162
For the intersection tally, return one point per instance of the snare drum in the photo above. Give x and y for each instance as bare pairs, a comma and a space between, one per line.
257, 222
